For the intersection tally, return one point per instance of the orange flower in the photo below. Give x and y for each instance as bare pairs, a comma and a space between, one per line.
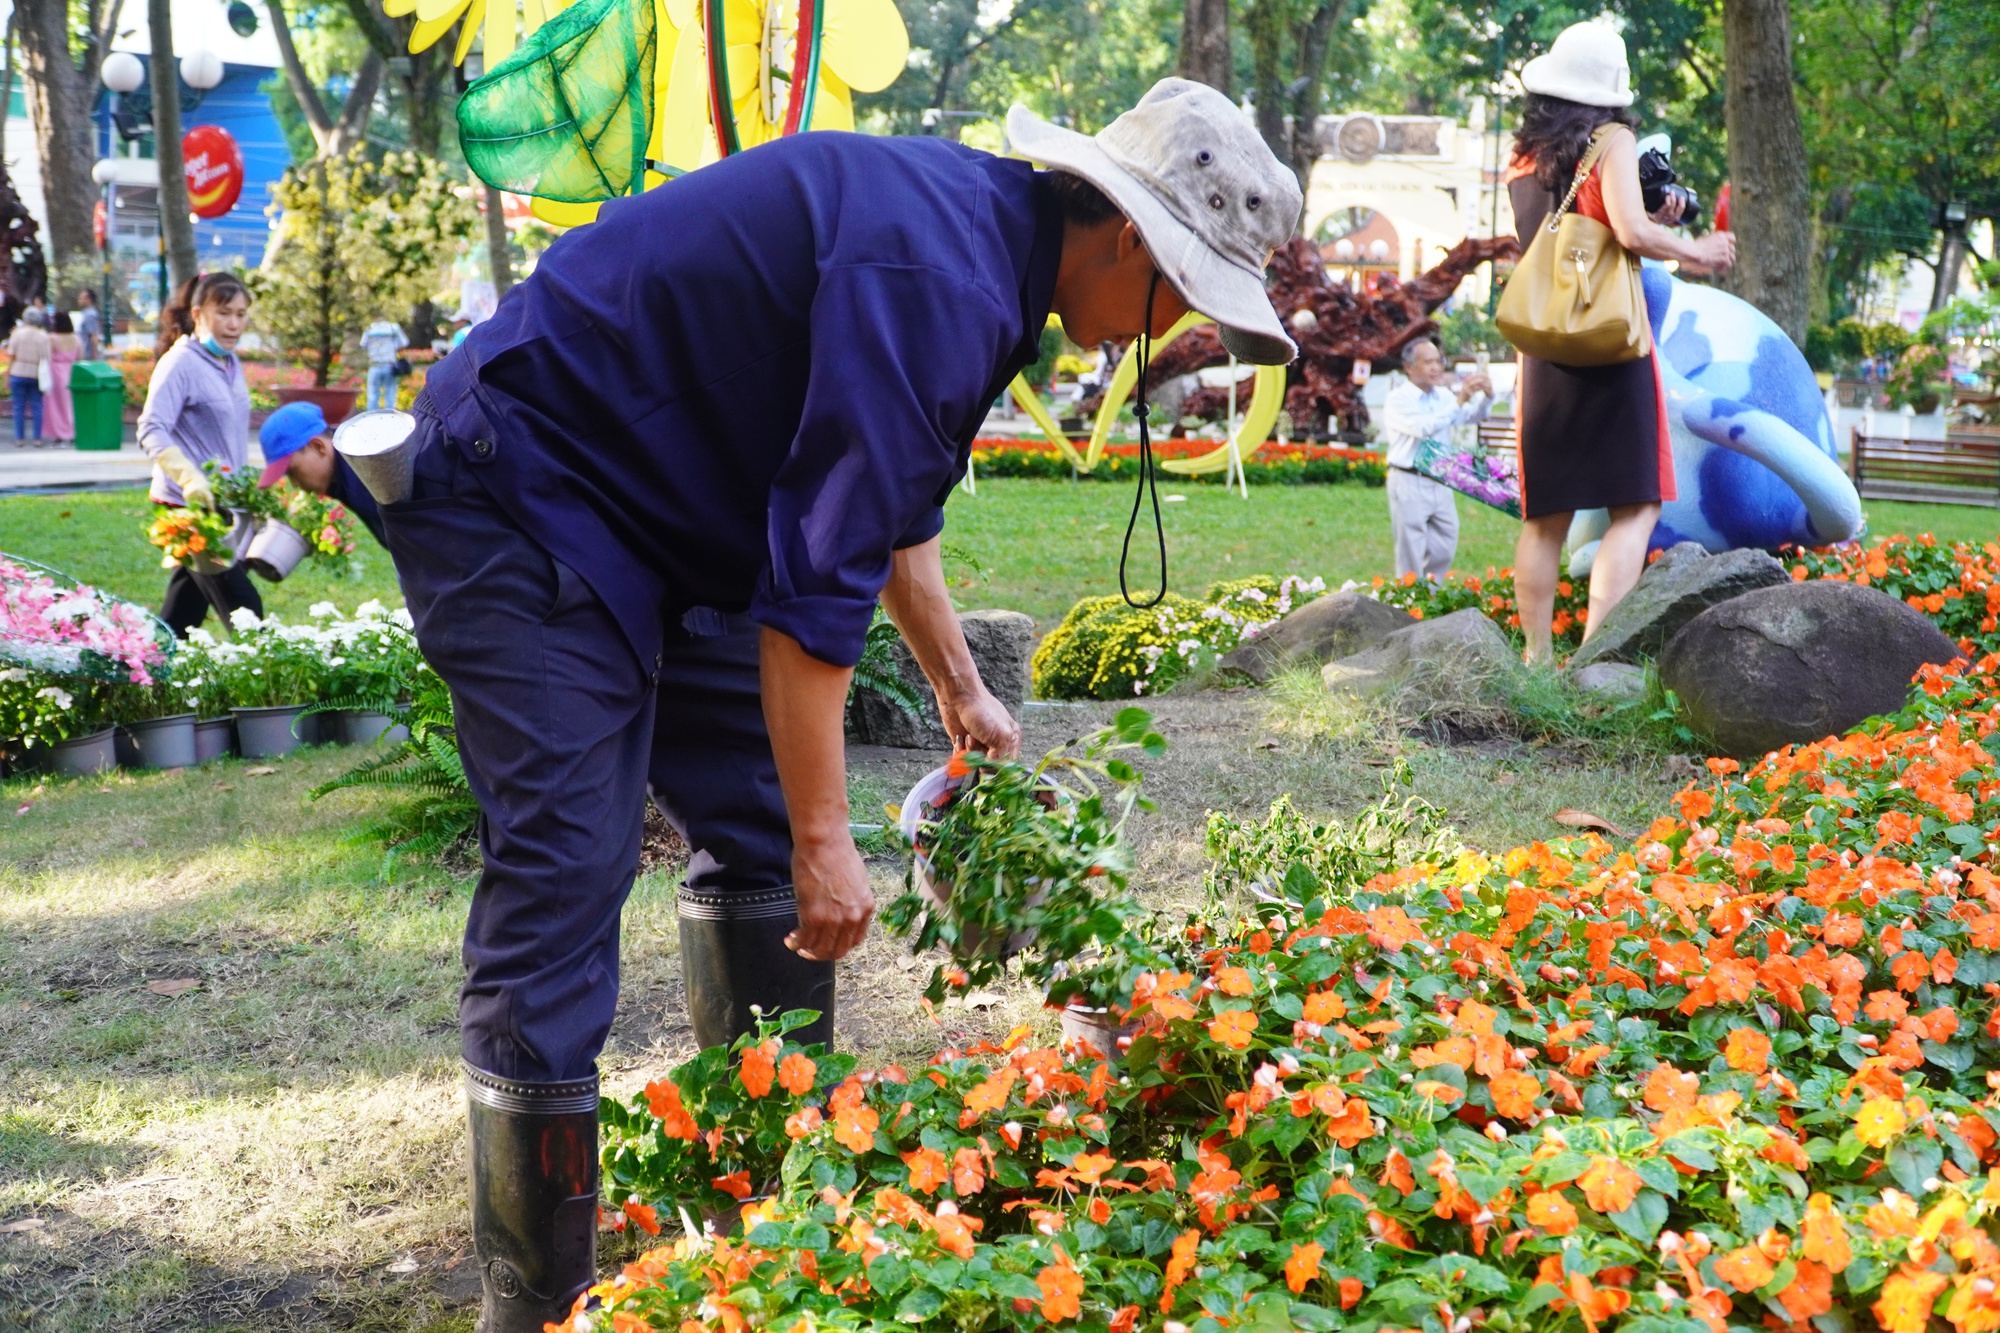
1396, 1172
1436, 1091
803, 1122
1180, 1266
1323, 1007
1668, 1088
1745, 1269
1905, 1304
1748, 1050
760, 1067
854, 1127
927, 1169
968, 1172
953, 1232
1514, 1093
1810, 1293
1351, 1124
1232, 981
1609, 1185
1062, 1290
1824, 1235
736, 1184
663, 1099
1350, 1292
1303, 1266
1879, 1121
1125, 1320
1234, 1030
1553, 1213
645, 1218
795, 1073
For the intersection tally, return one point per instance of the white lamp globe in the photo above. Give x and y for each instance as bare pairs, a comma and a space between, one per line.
103, 171
122, 72
201, 68
1343, 250
1378, 249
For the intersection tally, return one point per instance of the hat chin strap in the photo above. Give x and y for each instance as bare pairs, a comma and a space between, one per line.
1142, 349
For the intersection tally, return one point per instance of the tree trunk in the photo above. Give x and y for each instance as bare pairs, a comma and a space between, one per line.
60, 92
333, 136
1314, 37
1769, 205
496, 244
1266, 21
1951, 261
176, 224
1205, 43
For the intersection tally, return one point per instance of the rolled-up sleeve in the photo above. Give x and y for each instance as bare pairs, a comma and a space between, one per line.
901, 357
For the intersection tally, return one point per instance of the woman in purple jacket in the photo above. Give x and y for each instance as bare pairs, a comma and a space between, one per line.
198, 411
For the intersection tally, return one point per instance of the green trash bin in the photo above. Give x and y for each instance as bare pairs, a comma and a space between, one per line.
98, 391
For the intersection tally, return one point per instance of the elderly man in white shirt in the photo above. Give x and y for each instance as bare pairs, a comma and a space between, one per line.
1424, 513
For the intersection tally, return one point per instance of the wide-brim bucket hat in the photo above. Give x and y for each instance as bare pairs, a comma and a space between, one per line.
1206, 195
1586, 63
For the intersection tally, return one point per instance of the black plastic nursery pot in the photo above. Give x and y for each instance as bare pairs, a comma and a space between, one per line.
269, 733
160, 742
84, 756
214, 738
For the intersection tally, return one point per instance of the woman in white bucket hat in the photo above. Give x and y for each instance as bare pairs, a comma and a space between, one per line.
1592, 437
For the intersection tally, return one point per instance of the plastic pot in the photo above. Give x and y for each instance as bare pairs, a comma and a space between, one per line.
1084, 1026
276, 549
214, 738
267, 733
241, 526
922, 802
161, 742
81, 756
364, 726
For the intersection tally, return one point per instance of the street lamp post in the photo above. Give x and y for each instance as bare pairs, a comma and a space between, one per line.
122, 73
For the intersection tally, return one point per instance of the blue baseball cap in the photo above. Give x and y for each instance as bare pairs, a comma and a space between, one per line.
285, 432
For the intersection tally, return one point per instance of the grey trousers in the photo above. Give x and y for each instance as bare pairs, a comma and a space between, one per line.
1424, 516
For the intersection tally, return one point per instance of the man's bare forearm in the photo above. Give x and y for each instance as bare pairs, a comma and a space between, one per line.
916, 599
805, 703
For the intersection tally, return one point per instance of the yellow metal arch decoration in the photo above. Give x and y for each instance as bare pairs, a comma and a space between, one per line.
1267, 397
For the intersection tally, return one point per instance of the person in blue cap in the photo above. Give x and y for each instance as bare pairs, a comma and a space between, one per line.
298, 448
751, 390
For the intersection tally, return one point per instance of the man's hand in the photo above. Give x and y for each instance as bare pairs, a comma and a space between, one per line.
835, 902
981, 722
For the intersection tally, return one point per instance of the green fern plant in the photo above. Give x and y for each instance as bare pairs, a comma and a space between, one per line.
440, 810
877, 668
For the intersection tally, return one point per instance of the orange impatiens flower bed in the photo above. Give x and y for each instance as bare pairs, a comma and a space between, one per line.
1732, 1075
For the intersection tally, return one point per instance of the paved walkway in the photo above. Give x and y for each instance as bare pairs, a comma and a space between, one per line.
51, 469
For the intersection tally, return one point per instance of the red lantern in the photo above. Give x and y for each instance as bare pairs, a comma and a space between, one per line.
1722, 208
214, 170
97, 224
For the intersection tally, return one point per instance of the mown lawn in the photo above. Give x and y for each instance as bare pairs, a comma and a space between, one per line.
1038, 546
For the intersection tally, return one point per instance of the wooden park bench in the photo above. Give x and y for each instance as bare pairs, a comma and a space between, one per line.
1962, 468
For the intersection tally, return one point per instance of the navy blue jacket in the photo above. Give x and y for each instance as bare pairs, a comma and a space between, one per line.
746, 388
347, 489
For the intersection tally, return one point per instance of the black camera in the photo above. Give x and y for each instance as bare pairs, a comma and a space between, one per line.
1657, 185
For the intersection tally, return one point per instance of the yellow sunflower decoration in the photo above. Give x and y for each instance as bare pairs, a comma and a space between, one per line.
608, 97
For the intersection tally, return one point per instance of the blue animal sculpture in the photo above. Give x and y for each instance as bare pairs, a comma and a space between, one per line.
1754, 456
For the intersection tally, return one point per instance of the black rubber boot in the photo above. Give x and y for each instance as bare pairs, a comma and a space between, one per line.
733, 956
534, 1197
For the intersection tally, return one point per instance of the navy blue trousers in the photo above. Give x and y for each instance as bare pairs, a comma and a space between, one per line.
563, 730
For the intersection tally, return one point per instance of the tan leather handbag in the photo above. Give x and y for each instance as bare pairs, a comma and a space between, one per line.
1575, 297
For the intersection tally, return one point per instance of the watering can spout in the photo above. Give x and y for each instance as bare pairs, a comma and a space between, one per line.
381, 446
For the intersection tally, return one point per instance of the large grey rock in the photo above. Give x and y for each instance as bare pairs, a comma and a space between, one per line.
1618, 682
1002, 642
1684, 582
1797, 663
1340, 624
1464, 645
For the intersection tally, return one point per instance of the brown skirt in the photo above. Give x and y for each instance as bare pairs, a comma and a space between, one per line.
1592, 437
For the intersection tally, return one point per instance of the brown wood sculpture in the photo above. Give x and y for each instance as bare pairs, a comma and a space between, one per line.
1335, 326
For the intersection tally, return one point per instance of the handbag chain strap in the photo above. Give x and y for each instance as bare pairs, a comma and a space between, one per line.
1590, 157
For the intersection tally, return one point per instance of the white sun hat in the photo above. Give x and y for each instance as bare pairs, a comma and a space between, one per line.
1205, 194
1585, 64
